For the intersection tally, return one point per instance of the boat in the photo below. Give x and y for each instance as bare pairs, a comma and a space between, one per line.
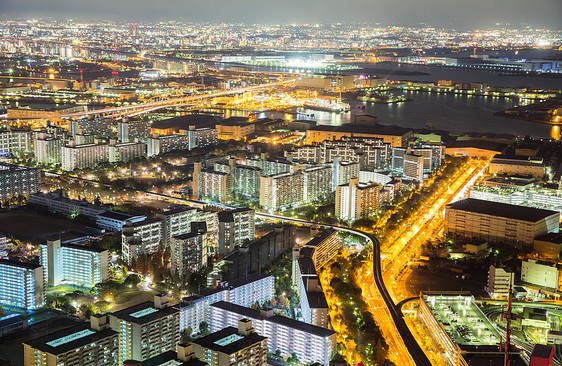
327, 105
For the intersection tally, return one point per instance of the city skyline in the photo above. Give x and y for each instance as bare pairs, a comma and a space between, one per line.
455, 14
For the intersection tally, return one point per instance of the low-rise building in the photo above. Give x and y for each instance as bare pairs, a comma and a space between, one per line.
540, 273
498, 222
517, 165
114, 221
60, 205
548, 246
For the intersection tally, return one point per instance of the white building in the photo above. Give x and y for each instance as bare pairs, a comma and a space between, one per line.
317, 182
83, 156
65, 206
189, 252
310, 343
15, 142
236, 227
126, 151
73, 264
245, 292
413, 166
17, 180
539, 273
500, 281
142, 236
114, 221
21, 285
356, 200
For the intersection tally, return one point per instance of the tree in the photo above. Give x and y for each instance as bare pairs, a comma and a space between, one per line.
204, 328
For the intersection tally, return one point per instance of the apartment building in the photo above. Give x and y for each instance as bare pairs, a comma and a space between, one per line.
21, 285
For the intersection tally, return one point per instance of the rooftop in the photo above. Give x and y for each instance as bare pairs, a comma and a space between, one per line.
374, 130
505, 210
170, 358
542, 351
19, 264
183, 122
69, 339
228, 341
143, 313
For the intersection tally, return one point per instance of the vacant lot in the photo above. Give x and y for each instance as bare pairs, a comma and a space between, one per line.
33, 227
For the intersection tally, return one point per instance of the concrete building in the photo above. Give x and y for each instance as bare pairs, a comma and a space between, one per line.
47, 149
83, 156
500, 281
356, 200
310, 343
13, 142
146, 330
21, 285
126, 151
343, 172
326, 244
114, 220
281, 191
65, 206
189, 252
498, 222
317, 183
236, 227
233, 346
16, 180
413, 167
183, 356
210, 184
228, 130
246, 291
306, 282
395, 136
72, 264
98, 127
176, 221
548, 246
539, 273
517, 165
128, 131
86, 344
140, 237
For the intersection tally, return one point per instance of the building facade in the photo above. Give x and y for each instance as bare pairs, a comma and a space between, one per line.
21, 285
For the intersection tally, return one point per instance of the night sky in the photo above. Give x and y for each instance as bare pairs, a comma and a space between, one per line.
467, 14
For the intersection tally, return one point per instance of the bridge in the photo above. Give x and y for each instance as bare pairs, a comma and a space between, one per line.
136, 109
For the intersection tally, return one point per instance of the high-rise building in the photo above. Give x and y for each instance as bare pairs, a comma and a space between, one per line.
500, 281
146, 330
184, 356
317, 183
356, 200
73, 264
126, 151
189, 252
325, 245
176, 221
310, 343
235, 228
47, 148
83, 156
140, 237
86, 344
211, 184
16, 180
21, 284
281, 190
233, 346
343, 172
15, 142
413, 166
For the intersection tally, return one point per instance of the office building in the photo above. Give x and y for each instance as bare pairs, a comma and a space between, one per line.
498, 222
356, 200
281, 191
21, 285
233, 346
60, 205
189, 252
146, 330
73, 264
114, 220
86, 344
246, 291
236, 227
310, 343
235, 130
16, 180
539, 273
517, 165
500, 281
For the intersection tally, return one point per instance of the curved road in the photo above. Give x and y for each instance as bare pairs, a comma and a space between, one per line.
395, 311
412, 345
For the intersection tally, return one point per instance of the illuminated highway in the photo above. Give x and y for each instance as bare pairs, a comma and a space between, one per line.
151, 106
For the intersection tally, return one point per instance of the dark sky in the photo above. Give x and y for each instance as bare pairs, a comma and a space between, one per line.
450, 13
